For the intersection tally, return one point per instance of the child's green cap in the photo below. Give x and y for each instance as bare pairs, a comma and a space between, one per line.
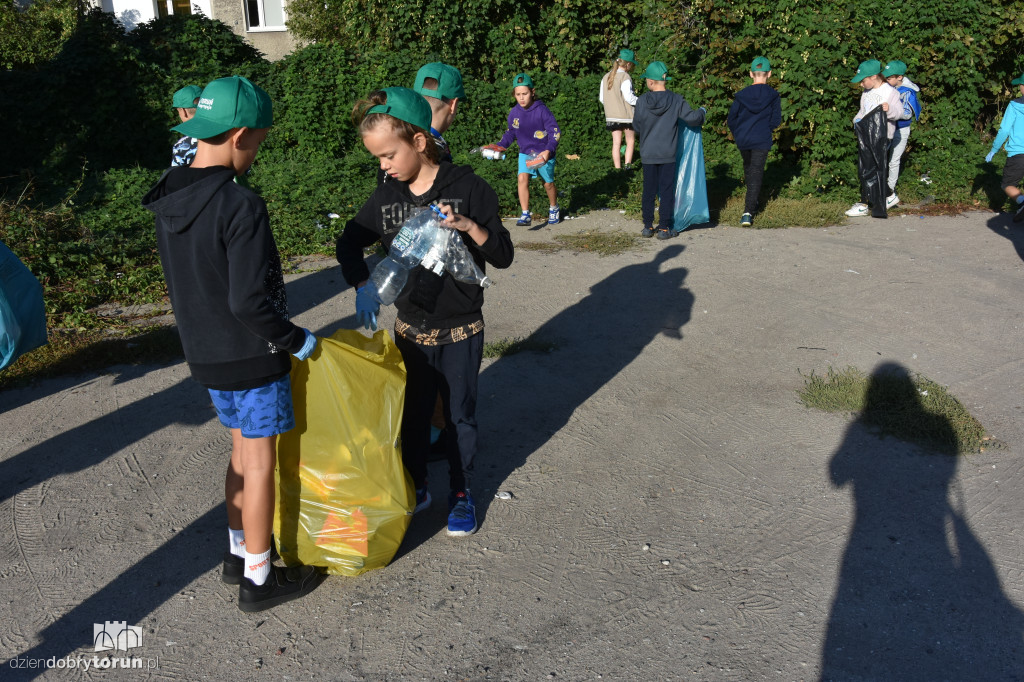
522, 79
1018, 81
228, 103
186, 97
656, 71
627, 56
405, 105
871, 67
449, 81
760, 64
894, 68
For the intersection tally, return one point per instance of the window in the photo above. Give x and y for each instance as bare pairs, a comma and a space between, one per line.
165, 8
265, 15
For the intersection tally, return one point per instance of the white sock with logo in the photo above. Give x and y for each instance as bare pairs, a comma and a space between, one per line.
237, 540
257, 567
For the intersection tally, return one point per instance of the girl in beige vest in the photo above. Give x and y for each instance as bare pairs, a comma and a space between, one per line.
617, 96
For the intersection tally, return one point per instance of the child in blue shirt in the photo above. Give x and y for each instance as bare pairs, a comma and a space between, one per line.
533, 127
895, 75
1011, 131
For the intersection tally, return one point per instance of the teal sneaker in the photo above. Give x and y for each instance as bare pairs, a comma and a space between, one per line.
462, 514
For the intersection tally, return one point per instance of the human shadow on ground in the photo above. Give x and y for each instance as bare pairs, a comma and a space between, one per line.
1003, 225
987, 180
531, 396
134, 594
185, 403
918, 597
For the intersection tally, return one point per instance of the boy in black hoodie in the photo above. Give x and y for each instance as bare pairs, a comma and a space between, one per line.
439, 328
754, 114
656, 119
224, 279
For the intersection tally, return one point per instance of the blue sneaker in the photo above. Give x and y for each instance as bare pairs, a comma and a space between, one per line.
462, 517
554, 215
525, 219
422, 500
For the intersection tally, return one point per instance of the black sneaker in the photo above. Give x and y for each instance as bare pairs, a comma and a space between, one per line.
283, 584
234, 566
665, 234
647, 232
1019, 215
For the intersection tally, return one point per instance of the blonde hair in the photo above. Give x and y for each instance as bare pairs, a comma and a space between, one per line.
619, 64
405, 131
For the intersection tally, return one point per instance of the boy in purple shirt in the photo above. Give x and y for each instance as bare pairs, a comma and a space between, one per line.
534, 128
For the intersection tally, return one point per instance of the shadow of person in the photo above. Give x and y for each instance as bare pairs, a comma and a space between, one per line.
917, 597
987, 180
526, 398
1003, 225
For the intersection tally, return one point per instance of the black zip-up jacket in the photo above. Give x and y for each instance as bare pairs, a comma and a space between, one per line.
224, 278
428, 301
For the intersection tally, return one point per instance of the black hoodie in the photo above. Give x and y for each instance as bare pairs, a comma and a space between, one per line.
656, 119
754, 114
224, 278
428, 301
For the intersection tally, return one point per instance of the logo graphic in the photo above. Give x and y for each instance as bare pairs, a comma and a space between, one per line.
515, 123
540, 134
116, 635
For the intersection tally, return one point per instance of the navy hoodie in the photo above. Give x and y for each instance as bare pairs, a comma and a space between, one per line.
224, 278
754, 114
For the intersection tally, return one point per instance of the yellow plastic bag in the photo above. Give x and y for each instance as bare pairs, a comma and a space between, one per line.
344, 499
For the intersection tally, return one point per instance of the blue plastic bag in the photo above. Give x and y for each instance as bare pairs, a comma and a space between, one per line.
22, 313
691, 184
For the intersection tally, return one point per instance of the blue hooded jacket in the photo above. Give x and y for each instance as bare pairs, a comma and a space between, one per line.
754, 114
1011, 130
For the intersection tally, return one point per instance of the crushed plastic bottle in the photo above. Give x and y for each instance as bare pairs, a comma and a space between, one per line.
387, 280
460, 263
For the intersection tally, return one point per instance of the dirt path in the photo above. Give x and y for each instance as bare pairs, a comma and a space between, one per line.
677, 514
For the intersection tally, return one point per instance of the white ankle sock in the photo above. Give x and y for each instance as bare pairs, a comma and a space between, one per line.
257, 567
237, 540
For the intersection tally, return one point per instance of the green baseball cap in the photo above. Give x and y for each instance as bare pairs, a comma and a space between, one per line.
186, 97
228, 103
760, 64
894, 68
627, 56
405, 105
1018, 81
871, 67
522, 79
656, 71
449, 81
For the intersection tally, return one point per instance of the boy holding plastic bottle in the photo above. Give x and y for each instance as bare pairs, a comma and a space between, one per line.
1011, 132
533, 127
439, 327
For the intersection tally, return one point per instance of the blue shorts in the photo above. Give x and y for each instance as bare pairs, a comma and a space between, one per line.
546, 172
258, 412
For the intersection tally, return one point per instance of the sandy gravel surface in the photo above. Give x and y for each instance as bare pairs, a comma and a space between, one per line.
676, 512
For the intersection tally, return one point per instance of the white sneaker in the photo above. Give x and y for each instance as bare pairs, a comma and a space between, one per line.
857, 210
891, 200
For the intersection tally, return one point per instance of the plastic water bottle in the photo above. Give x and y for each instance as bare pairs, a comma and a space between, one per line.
387, 280
493, 154
460, 263
413, 241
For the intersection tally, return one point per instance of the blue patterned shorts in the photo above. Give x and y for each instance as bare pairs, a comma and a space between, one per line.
258, 412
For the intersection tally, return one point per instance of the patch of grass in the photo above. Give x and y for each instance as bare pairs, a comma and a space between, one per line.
511, 346
910, 407
543, 247
75, 351
804, 212
601, 243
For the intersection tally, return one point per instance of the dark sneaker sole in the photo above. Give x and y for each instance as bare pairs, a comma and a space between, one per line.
289, 584
233, 567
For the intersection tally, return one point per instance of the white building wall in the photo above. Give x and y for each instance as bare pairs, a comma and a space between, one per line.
131, 13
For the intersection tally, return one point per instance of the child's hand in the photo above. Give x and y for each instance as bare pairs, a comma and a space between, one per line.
885, 106
455, 221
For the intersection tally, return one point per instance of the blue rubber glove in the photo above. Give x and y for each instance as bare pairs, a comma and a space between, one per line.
366, 308
988, 157
308, 347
